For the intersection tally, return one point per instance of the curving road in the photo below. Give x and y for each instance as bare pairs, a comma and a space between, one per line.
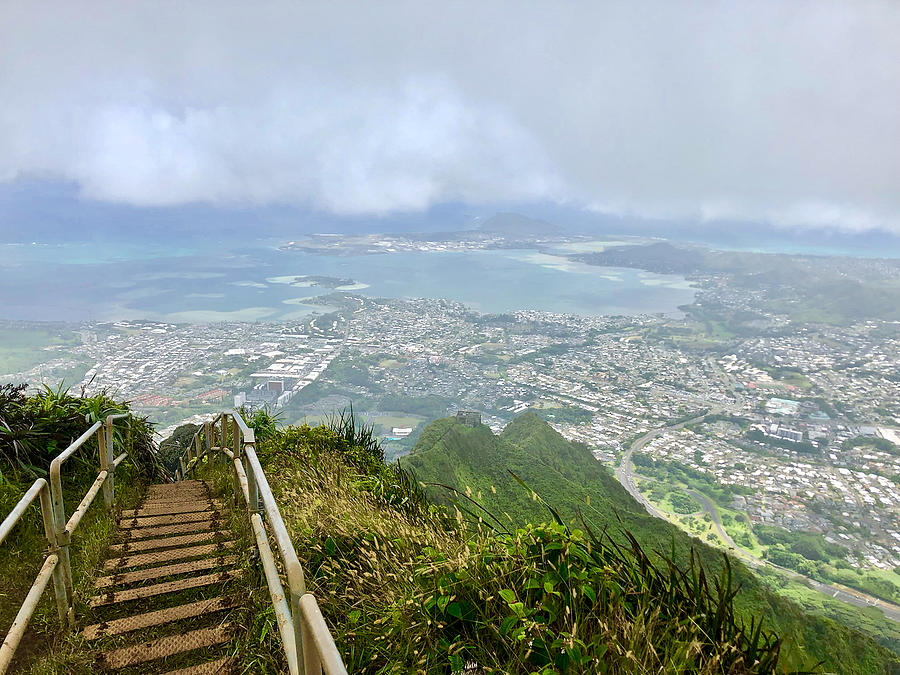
625, 475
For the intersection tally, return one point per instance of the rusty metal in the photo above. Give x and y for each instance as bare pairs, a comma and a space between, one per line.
166, 508
166, 555
166, 646
147, 521
168, 542
218, 667
115, 597
163, 530
164, 571
159, 617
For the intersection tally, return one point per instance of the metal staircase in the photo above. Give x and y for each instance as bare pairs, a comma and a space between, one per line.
171, 580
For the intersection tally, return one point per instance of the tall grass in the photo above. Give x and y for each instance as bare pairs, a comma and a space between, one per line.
35, 428
411, 587
356, 433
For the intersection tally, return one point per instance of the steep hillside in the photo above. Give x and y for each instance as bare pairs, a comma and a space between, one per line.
565, 476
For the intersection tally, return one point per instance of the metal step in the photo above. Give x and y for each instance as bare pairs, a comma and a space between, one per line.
165, 520
164, 571
219, 667
168, 542
177, 493
166, 646
167, 508
159, 617
158, 557
114, 597
162, 530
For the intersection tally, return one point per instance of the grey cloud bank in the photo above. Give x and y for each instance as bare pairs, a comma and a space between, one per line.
780, 112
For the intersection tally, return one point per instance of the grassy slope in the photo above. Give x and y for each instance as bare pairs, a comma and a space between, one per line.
408, 588
567, 477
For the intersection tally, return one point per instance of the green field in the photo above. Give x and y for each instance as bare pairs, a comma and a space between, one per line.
869, 620
384, 423
23, 349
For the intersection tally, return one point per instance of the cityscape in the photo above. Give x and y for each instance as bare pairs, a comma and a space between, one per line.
802, 423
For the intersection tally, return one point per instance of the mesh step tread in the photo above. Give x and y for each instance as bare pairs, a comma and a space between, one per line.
166, 555
149, 521
167, 508
166, 646
162, 530
168, 542
190, 482
114, 597
164, 571
187, 498
177, 495
219, 667
159, 617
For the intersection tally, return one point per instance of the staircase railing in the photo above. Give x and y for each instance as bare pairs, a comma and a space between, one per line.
59, 530
308, 644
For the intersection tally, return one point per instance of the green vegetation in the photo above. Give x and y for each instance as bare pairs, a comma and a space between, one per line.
566, 415
683, 502
804, 289
669, 500
676, 473
409, 587
173, 448
869, 620
23, 348
36, 428
809, 554
797, 446
476, 463
882, 444
33, 430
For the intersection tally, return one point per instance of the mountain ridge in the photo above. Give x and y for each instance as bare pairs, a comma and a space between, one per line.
565, 476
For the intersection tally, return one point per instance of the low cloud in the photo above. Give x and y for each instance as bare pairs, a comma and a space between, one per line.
762, 111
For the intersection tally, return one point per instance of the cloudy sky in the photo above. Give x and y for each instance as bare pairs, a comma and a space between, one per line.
785, 112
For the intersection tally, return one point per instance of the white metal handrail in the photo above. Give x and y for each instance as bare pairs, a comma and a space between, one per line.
58, 531
308, 644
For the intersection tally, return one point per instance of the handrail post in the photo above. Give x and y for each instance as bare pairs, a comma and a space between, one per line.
300, 634
61, 539
253, 506
207, 436
223, 441
59, 583
104, 446
236, 445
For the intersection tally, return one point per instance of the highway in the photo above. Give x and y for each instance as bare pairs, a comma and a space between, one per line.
625, 475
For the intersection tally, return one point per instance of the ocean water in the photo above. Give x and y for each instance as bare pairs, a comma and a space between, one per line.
218, 282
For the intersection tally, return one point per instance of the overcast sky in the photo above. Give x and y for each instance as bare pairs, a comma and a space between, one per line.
786, 112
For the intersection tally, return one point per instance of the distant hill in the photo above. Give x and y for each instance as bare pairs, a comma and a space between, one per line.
563, 473
477, 462
807, 288
515, 223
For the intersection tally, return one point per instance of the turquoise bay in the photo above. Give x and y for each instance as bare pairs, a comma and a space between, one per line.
224, 283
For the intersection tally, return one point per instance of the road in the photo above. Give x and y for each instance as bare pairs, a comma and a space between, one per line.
625, 472
625, 475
